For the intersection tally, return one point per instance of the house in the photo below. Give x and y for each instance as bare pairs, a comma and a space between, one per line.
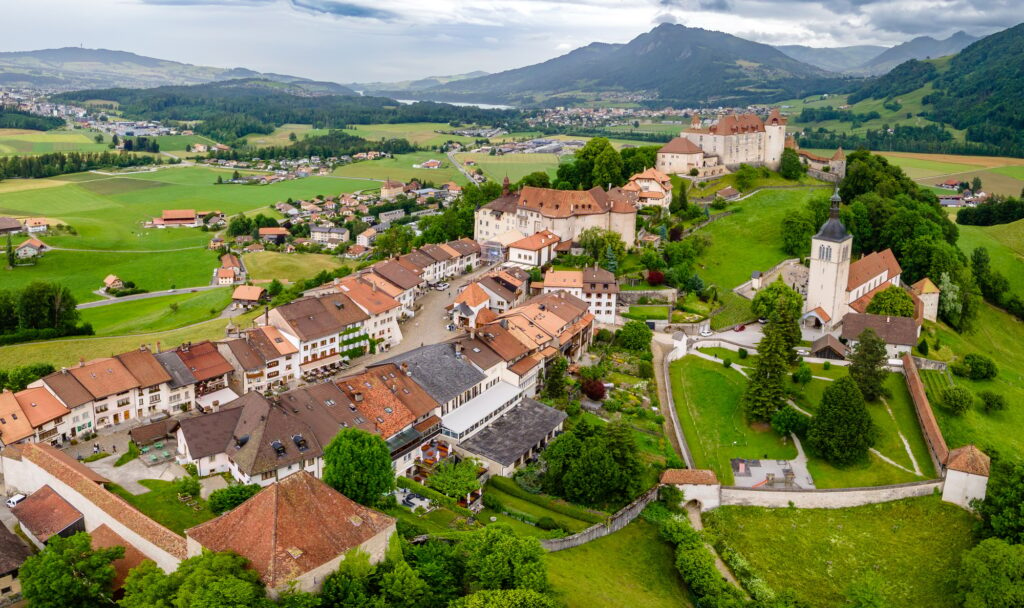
247, 296
30, 248
517, 436
326, 330
37, 225
254, 248
390, 216
382, 309
231, 261
112, 282
565, 213
215, 243
298, 529
900, 334
210, 370
596, 286
828, 347
356, 252
44, 515
535, 250
651, 187
468, 305
225, 276
679, 157
505, 287
9, 225
366, 238
469, 253
411, 283
329, 236
31, 415
431, 164
728, 193
391, 189
273, 234
13, 554
262, 360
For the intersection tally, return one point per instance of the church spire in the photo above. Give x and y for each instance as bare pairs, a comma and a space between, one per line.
833, 228
836, 201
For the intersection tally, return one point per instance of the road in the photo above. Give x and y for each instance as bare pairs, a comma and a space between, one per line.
463, 170
144, 296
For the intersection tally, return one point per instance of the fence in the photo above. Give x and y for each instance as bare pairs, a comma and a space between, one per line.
620, 520
826, 499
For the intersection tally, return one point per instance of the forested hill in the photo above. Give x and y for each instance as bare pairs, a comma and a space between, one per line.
15, 119
235, 108
674, 63
979, 90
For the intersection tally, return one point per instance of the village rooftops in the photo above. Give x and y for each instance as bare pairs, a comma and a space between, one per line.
273, 231
13, 552
438, 370
209, 434
682, 477
46, 514
397, 274
292, 527
367, 296
872, 265
480, 407
388, 397
516, 431
103, 537
536, 241
473, 295
316, 317
175, 367
39, 406
680, 145
969, 459
67, 388
248, 293
203, 360
563, 203
464, 246
104, 377
268, 341
732, 124
14, 425
892, 330
141, 364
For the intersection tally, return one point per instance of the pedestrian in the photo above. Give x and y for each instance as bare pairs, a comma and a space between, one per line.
115, 449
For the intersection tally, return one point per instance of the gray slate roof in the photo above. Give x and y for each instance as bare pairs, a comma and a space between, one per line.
516, 431
436, 368
173, 365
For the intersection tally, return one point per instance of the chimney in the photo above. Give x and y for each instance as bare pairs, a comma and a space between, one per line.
357, 396
81, 362
158, 346
405, 368
472, 333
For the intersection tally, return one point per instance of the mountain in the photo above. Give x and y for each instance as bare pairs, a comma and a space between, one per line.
72, 68
671, 63
368, 88
834, 59
922, 47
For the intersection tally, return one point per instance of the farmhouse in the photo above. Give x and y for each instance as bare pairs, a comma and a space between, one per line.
9, 225
273, 234
30, 248
247, 296
225, 276
37, 225
112, 282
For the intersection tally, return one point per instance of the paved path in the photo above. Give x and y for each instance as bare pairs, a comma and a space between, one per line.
668, 407
463, 170
906, 444
145, 296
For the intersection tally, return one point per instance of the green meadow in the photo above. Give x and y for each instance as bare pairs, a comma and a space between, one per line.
156, 314
400, 167
25, 142
515, 166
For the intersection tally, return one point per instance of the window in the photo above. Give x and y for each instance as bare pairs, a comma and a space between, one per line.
267, 475
154, 399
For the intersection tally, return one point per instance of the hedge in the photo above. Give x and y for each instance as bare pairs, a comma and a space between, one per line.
434, 496
510, 487
29, 335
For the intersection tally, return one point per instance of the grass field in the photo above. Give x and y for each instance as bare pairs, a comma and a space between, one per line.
24, 142
290, 267
645, 313
161, 503
913, 546
418, 133
710, 187
155, 314
514, 165
632, 567
1005, 244
400, 167
571, 524
280, 136
919, 167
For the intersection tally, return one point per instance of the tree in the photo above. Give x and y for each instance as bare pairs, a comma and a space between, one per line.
402, 587
679, 202
68, 573
787, 420
992, 575
1000, 511
958, 399
976, 184
595, 242
785, 304
867, 365
976, 367
497, 558
765, 393
803, 374
635, 336
220, 179
992, 401
456, 480
892, 301
209, 580
347, 587
797, 230
230, 497
506, 598
651, 259
790, 166
11, 259
610, 261
358, 464
842, 431
395, 241
292, 137
745, 177
274, 288
554, 378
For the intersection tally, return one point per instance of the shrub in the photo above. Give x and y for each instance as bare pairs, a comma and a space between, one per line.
694, 172
409, 529
547, 523
975, 367
671, 497
191, 469
655, 277
603, 335
827, 365
492, 503
742, 353
594, 389
727, 362
96, 456
230, 497
678, 531
187, 485
958, 399
992, 402
788, 420
922, 347
645, 369
803, 374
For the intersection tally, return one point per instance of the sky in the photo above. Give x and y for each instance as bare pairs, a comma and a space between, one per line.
389, 40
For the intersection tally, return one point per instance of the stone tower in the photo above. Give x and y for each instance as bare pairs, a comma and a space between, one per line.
830, 269
774, 140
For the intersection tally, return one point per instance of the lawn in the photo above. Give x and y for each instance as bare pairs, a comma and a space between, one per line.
632, 567
922, 168
645, 313
708, 401
155, 314
291, 267
68, 352
24, 142
400, 167
161, 503
568, 523
993, 182
913, 546
712, 186
515, 166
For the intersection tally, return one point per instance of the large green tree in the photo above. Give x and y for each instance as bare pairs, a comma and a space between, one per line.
401, 587
455, 479
395, 240
790, 166
506, 598
497, 558
209, 580
783, 305
635, 336
867, 365
992, 575
841, 430
892, 301
69, 573
554, 378
1001, 512
797, 230
766, 392
358, 464
595, 242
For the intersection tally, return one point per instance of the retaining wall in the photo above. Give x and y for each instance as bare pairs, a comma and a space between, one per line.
617, 522
633, 296
929, 364
929, 426
826, 499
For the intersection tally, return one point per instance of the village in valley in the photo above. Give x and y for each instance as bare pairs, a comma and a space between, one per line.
596, 354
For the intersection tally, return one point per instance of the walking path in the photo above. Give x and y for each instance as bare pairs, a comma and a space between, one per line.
906, 444
665, 401
693, 514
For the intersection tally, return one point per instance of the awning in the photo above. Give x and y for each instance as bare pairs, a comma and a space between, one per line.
320, 363
217, 398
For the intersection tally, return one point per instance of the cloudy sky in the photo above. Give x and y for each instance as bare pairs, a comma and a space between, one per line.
386, 40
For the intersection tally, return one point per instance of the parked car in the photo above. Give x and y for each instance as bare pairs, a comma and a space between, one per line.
441, 286
13, 500
740, 327
706, 333
762, 320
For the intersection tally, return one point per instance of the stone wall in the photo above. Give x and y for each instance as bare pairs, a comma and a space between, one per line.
620, 520
931, 364
633, 296
825, 176
826, 499
929, 426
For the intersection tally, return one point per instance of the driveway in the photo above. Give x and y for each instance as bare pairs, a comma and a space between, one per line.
128, 475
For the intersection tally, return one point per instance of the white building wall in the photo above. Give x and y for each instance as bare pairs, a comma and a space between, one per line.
961, 488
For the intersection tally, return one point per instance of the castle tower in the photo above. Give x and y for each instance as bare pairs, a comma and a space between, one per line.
830, 270
775, 139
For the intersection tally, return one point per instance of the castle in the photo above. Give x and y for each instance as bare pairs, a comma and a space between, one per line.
732, 140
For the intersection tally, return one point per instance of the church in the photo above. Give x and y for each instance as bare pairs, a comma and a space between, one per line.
839, 291
724, 145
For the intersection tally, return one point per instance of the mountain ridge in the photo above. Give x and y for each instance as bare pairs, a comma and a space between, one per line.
922, 47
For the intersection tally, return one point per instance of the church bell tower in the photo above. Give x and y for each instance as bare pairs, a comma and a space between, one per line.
830, 269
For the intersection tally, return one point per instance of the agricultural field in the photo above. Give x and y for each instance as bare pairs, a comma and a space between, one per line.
26, 142
400, 167
175, 144
1005, 244
515, 166
156, 314
290, 267
632, 567
911, 547
280, 135
424, 134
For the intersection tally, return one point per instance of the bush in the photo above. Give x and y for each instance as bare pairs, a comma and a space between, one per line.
547, 523
671, 497
976, 367
433, 495
96, 456
492, 503
130, 455
603, 335
788, 420
409, 529
188, 485
191, 469
727, 362
506, 485
742, 353
645, 369
679, 532
655, 277
958, 399
826, 365
922, 347
992, 402
230, 497
594, 389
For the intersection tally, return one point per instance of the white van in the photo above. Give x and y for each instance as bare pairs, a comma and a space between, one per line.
13, 500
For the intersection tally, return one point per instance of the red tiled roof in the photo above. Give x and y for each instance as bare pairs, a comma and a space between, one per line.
14, 425
872, 265
203, 360
689, 477
969, 459
103, 537
46, 514
929, 427
291, 527
680, 145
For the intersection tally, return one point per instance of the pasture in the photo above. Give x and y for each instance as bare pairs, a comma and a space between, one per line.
288, 267
911, 547
1005, 244
515, 166
281, 135
25, 142
424, 134
156, 314
400, 167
